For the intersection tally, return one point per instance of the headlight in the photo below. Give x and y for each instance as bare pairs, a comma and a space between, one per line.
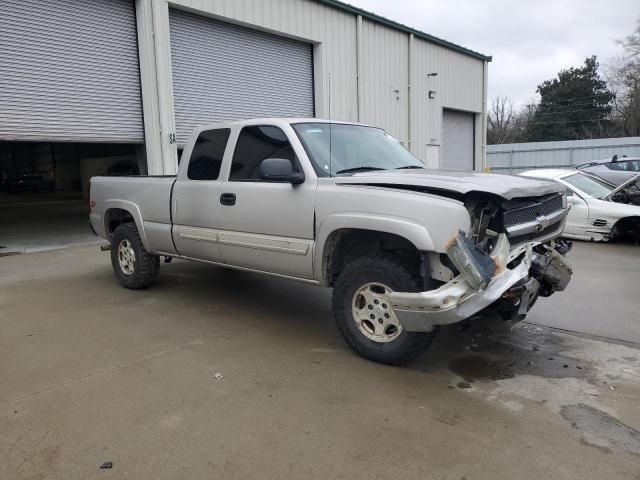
477, 267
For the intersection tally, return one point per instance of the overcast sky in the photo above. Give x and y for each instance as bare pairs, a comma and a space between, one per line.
530, 41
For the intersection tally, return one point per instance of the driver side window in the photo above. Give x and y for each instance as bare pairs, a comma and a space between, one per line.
255, 144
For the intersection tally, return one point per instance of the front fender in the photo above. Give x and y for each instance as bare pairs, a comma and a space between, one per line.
417, 234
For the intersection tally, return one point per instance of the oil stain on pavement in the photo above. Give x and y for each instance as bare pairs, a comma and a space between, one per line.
572, 376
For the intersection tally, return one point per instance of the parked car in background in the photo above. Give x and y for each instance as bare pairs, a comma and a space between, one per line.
343, 205
599, 210
30, 183
616, 170
122, 169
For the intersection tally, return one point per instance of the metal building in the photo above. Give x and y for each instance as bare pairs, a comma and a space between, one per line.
124, 74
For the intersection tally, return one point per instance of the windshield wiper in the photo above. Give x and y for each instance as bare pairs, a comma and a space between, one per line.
407, 167
358, 169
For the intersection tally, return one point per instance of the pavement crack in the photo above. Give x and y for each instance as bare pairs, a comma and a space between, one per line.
591, 336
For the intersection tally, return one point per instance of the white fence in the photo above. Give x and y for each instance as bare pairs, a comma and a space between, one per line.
514, 158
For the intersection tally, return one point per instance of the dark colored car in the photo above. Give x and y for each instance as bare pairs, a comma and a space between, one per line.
616, 170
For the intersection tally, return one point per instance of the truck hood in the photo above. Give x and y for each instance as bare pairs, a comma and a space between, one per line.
505, 186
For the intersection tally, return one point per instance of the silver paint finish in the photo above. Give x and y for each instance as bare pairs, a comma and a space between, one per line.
456, 300
283, 229
460, 182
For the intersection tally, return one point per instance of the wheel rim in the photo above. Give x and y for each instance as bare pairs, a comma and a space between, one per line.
372, 312
126, 257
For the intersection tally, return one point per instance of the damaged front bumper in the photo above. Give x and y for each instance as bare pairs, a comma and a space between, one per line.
531, 275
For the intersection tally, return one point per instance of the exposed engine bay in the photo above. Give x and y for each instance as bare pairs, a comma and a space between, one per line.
498, 227
628, 193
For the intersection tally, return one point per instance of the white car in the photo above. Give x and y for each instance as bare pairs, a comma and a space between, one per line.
599, 210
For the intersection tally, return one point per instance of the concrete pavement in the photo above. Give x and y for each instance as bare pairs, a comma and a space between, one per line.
34, 222
91, 372
603, 297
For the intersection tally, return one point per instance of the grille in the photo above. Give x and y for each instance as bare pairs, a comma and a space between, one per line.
599, 223
518, 216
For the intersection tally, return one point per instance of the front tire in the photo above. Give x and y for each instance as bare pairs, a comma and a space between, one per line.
133, 266
363, 314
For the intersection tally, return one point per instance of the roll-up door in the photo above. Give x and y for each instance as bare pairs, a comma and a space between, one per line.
458, 140
69, 71
227, 72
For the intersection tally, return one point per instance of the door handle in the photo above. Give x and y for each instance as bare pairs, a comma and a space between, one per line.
228, 199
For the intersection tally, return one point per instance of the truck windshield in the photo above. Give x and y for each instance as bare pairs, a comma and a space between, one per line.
341, 149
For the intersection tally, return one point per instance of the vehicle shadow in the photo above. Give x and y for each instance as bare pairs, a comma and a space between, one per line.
480, 350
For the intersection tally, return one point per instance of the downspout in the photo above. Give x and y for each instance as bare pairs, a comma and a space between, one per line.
160, 15
359, 66
484, 115
409, 91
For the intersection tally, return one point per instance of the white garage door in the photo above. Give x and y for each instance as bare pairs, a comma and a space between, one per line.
226, 72
69, 71
458, 140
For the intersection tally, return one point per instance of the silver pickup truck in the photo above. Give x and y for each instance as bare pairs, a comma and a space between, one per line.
346, 206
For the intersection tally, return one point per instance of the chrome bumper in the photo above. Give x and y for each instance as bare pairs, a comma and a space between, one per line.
457, 300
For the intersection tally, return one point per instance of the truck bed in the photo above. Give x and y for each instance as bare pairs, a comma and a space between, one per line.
149, 196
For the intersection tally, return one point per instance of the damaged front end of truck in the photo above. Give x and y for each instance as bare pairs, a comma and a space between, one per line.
509, 259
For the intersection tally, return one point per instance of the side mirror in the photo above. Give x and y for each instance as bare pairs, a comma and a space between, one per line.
279, 170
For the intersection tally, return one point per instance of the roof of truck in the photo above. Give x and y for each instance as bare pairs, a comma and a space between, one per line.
290, 120
275, 121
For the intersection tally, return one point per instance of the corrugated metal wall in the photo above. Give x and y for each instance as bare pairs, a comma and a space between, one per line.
393, 93
458, 85
385, 79
239, 73
305, 20
514, 158
69, 71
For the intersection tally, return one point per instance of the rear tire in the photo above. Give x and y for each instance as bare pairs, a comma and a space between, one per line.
362, 312
133, 266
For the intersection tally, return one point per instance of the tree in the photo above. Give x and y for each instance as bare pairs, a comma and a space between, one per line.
624, 78
500, 121
575, 105
506, 125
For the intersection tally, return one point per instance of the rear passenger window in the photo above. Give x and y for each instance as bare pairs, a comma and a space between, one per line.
207, 154
254, 145
617, 165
